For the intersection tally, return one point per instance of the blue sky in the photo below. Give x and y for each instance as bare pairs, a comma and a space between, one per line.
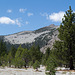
25, 15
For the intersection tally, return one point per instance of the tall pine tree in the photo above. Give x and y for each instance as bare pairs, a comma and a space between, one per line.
67, 35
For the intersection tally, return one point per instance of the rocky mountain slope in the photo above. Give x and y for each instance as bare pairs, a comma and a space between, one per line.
44, 37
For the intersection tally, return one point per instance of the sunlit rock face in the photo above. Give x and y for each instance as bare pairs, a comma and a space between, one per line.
44, 37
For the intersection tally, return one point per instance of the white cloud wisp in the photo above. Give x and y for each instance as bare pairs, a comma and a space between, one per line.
56, 17
7, 20
9, 10
30, 14
22, 10
44, 14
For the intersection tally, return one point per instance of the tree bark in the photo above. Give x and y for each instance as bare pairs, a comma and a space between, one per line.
71, 58
71, 64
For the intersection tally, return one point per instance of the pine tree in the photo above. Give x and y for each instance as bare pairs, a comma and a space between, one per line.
47, 54
25, 57
51, 64
36, 65
59, 53
32, 53
35, 53
67, 35
3, 50
9, 59
38, 53
13, 51
18, 62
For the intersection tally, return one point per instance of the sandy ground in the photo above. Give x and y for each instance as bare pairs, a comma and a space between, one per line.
13, 71
30, 71
65, 73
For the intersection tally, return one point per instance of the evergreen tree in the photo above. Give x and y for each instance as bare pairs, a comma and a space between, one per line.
32, 53
51, 64
25, 57
11, 56
38, 53
59, 53
3, 50
36, 65
67, 35
18, 60
35, 53
13, 51
47, 54
9, 59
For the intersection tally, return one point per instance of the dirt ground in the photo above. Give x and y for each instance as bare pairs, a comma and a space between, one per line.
31, 71
13, 71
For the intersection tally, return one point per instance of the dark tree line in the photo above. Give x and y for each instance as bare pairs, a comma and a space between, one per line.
20, 57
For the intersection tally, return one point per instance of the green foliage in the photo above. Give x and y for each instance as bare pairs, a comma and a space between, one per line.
47, 53
18, 52
67, 35
18, 60
11, 56
25, 56
46, 56
38, 54
35, 53
2, 48
3, 53
43, 60
3, 60
60, 52
30, 63
20, 57
51, 65
13, 51
9, 59
36, 64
